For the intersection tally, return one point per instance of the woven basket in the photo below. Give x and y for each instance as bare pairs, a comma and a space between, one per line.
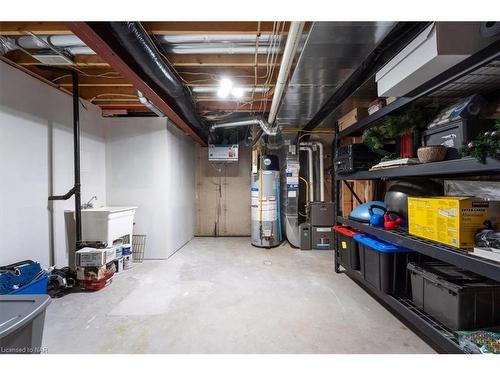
431, 153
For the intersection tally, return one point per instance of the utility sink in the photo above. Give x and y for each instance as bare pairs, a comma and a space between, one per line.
106, 224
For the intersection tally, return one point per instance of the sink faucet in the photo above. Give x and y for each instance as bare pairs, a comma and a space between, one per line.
89, 203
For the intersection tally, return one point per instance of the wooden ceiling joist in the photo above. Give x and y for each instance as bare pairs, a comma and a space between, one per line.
98, 78
39, 28
81, 61
99, 45
217, 60
158, 28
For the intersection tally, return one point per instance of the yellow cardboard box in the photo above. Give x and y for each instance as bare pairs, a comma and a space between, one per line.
450, 220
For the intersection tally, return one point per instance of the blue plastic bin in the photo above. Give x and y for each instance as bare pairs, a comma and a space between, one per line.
383, 265
37, 286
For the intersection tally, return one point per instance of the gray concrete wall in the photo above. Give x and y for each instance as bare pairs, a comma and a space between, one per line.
223, 195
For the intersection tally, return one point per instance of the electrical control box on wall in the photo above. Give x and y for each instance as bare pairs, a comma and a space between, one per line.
222, 152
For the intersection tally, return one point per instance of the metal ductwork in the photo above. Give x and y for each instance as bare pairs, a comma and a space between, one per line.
220, 48
264, 125
177, 44
133, 44
219, 38
69, 43
291, 47
319, 146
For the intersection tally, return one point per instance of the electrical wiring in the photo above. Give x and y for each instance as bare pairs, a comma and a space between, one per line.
307, 196
273, 59
102, 75
112, 94
268, 58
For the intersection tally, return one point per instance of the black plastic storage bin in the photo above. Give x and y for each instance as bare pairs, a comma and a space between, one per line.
459, 299
347, 247
383, 265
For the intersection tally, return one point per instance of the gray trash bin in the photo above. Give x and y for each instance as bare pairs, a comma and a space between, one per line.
21, 323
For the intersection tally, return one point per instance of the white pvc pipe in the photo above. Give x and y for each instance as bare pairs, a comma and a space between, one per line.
145, 101
310, 172
319, 145
292, 43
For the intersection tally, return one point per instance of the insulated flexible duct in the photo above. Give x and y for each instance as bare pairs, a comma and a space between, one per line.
264, 125
136, 47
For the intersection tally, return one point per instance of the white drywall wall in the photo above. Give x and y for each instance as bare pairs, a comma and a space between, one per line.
150, 164
36, 133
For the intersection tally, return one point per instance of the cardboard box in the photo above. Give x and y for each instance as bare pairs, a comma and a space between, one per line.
90, 273
97, 285
352, 117
119, 264
351, 140
452, 221
439, 47
363, 188
91, 257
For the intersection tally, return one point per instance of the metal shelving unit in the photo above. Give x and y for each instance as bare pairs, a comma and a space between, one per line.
478, 73
464, 166
463, 79
441, 338
448, 254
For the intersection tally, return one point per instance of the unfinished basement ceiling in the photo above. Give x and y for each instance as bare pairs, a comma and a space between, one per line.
332, 51
201, 53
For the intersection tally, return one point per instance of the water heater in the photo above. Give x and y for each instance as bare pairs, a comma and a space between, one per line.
265, 203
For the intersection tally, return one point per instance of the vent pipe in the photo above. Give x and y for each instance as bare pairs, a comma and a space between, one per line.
266, 128
291, 46
310, 172
319, 146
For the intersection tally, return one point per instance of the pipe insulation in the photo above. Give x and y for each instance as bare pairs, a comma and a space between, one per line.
319, 146
291, 46
134, 45
222, 48
178, 44
266, 128
218, 38
310, 172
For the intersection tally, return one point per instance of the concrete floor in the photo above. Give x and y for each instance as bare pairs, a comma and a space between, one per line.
221, 295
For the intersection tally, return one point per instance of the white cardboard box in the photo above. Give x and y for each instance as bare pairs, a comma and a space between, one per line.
91, 257
439, 47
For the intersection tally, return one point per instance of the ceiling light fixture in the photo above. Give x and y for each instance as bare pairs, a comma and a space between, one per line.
237, 92
225, 87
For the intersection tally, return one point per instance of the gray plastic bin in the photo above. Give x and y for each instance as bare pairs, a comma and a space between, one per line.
21, 323
459, 299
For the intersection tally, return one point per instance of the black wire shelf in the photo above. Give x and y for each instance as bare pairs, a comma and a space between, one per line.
441, 338
448, 254
447, 168
478, 74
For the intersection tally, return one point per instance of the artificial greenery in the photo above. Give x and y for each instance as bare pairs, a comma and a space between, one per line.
395, 126
486, 144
